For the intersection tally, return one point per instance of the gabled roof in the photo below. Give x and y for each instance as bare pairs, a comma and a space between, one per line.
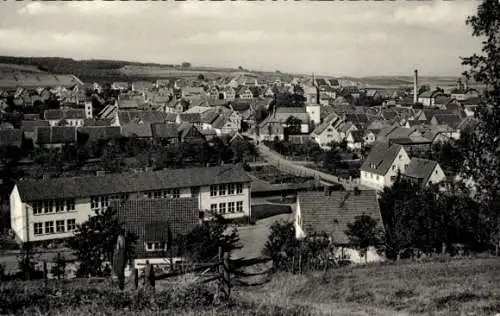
452, 120
162, 130
97, 133
85, 186
30, 126
326, 122
55, 135
157, 220
380, 158
198, 109
331, 213
132, 129
190, 117
132, 103
420, 169
126, 117
64, 114
11, 137
219, 122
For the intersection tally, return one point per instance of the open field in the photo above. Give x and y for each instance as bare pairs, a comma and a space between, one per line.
454, 287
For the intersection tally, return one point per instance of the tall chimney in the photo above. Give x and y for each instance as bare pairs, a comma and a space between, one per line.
415, 86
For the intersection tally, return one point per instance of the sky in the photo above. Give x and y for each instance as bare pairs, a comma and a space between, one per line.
339, 38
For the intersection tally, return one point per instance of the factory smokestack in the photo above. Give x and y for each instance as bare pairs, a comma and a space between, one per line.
415, 86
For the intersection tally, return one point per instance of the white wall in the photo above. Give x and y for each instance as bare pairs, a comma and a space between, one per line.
401, 161
372, 180
352, 255
437, 175
206, 200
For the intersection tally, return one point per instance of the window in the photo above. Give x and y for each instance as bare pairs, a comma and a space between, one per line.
60, 226
393, 167
222, 189
213, 208
239, 188
222, 208
59, 205
47, 206
104, 201
37, 207
195, 191
230, 188
378, 177
49, 227
400, 157
230, 207
239, 206
436, 172
157, 194
149, 246
213, 190
71, 225
149, 195
393, 178
176, 193
38, 228
94, 202
405, 167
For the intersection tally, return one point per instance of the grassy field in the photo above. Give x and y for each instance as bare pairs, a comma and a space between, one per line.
454, 287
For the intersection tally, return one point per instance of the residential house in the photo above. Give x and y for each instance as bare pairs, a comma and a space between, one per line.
451, 120
327, 132
331, 212
427, 98
193, 92
274, 125
228, 94
382, 165
355, 139
120, 86
424, 172
165, 133
141, 86
97, 133
244, 93
122, 117
136, 129
410, 138
28, 127
54, 136
193, 118
190, 134
11, 138
69, 117
155, 222
51, 208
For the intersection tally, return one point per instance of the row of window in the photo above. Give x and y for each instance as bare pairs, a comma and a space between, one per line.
164, 194
155, 246
48, 227
51, 206
232, 207
226, 189
102, 202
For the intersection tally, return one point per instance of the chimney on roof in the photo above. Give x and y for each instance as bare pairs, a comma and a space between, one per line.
415, 86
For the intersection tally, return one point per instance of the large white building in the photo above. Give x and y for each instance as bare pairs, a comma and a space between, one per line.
51, 208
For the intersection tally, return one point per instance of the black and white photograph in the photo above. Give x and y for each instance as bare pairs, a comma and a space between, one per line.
258, 158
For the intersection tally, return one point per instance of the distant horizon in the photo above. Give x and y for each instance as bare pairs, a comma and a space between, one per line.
410, 75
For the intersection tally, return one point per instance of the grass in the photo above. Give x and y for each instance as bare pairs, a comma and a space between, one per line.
439, 287
455, 287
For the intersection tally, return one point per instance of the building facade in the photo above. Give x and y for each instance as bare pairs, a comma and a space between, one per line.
51, 208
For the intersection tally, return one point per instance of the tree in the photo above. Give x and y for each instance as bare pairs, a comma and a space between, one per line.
482, 163
95, 240
363, 233
185, 65
293, 125
202, 243
201, 77
281, 245
59, 267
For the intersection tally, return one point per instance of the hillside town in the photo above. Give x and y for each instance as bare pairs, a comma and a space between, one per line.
132, 187
363, 137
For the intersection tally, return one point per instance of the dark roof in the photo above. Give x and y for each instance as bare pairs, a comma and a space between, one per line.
64, 114
31, 117
151, 219
209, 116
191, 117
162, 130
240, 106
95, 122
30, 126
358, 136
145, 116
420, 168
86, 186
452, 120
136, 129
96, 133
11, 137
380, 158
55, 135
331, 213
